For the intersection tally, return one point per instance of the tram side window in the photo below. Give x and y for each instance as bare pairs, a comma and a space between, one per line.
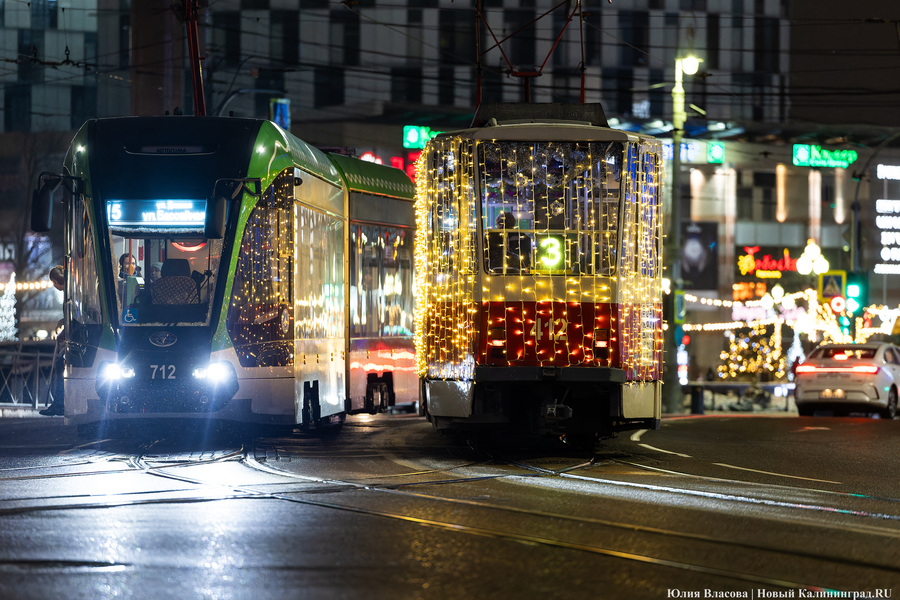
320, 268
381, 280
260, 314
649, 241
83, 307
446, 216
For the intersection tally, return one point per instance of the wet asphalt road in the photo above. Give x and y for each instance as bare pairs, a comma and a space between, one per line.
722, 506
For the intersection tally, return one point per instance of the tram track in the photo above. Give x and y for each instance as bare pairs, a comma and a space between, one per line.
168, 467
304, 485
560, 543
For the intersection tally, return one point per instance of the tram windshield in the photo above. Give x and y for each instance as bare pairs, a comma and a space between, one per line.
550, 207
164, 273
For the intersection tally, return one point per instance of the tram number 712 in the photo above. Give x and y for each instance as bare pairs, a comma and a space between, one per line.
164, 371
557, 329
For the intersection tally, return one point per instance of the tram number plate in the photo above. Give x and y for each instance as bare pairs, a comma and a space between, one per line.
555, 329
162, 371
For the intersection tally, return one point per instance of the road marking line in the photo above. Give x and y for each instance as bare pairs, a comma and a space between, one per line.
649, 447
636, 436
777, 474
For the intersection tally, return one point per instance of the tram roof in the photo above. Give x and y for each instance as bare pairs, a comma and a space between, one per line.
371, 178
538, 131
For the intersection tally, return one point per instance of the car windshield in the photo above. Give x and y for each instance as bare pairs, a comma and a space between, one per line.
844, 353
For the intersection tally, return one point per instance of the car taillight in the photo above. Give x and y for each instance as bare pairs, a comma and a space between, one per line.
861, 369
497, 336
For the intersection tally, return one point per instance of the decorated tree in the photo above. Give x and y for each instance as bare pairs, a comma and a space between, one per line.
753, 351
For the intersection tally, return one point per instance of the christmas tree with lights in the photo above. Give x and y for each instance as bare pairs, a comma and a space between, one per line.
753, 354
8, 311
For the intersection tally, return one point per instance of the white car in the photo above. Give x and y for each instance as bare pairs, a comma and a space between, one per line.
850, 378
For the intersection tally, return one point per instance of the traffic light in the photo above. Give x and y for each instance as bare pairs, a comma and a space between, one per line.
857, 292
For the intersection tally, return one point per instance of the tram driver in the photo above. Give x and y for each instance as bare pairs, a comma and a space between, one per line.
513, 246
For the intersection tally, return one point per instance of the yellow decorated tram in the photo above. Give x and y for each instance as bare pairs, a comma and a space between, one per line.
538, 266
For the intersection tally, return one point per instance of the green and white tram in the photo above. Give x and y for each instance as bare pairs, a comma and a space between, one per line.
216, 268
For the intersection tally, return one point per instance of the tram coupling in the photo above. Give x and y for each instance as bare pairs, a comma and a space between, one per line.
556, 412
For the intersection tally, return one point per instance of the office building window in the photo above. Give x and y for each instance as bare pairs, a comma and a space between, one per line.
124, 41
406, 85
17, 108
457, 36
284, 41
593, 38
765, 50
692, 4
329, 86
83, 105
520, 48
227, 36
43, 14
344, 38
446, 86
744, 204
712, 41
31, 44
633, 28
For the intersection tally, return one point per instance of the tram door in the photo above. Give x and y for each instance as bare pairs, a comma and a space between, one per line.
319, 317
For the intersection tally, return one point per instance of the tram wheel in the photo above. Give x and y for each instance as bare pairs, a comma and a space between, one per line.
583, 442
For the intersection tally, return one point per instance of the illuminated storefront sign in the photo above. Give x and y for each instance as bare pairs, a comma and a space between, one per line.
415, 136
371, 157
156, 213
715, 153
810, 155
888, 222
748, 290
888, 171
764, 266
690, 151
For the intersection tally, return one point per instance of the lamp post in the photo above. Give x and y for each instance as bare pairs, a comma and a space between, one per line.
689, 64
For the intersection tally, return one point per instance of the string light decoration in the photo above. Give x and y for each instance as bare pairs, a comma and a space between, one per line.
753, 352
260, 317
30, 285
445, 259
568, 281
8, 311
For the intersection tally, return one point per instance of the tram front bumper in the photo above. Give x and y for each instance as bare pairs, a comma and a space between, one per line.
561, 374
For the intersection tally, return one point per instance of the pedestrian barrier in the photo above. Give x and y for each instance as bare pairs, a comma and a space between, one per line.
25, 373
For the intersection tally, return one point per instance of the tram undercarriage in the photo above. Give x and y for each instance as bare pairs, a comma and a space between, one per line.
548, 401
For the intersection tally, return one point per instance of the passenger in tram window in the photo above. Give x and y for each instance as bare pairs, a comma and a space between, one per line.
58, 279
518, 246
128, 266
155, 271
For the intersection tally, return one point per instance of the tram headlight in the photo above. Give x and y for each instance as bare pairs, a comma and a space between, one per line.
497, 336
217, 372
113, 372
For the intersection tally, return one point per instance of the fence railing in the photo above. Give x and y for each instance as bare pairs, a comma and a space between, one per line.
25, 373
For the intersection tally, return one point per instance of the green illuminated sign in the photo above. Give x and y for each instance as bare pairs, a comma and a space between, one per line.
810, 155
715, 153
550, 256
416, 137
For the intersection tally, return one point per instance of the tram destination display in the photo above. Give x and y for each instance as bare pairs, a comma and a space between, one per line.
156, 213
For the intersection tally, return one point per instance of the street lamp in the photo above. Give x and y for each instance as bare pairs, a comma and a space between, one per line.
689, 65
812, 260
